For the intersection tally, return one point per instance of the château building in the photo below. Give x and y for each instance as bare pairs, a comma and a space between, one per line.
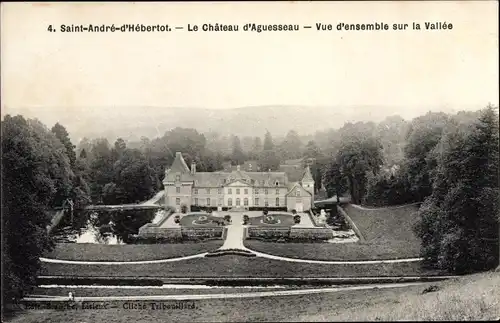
235, 189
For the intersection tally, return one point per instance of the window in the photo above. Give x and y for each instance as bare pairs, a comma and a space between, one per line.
277, 201
177, 201
196, 201
256, 191
246, 190
229, 191
177, 190
266, 203
178, 178
257, 201
195, 191
238, 201
208, 201
219, 191
245, 202
237, 191
229, 202
297, 192
208, 191
277, 191
266, 191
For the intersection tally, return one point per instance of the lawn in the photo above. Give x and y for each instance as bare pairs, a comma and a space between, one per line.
334, 251
388, 235
387, 224
199, 220
233, 266
132, 252
284, 220
468, 298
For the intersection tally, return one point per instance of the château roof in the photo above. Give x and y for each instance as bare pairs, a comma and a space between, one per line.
222, 178
179, 165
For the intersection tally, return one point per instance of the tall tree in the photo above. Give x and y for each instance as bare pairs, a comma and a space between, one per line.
61, 134
459, 220
268, 142
238, 156
356, 157
291, 145
335, 181
36, 174
423, 135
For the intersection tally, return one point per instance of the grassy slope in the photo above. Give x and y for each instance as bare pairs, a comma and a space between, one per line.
137, 252
233, 266
388, 234
474, 297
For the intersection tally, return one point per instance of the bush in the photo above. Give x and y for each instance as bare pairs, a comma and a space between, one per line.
246, 219
265, 212
177, 219
294, 211
184, 208
296, 219
227, 218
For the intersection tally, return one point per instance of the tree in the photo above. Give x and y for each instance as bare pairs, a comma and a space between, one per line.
312, 151
459, 220
134, 180
357, 157
292, 145
268, 141
256, 147
61, 134
268, 161
335, 181
423, 135
238, 156
36, 174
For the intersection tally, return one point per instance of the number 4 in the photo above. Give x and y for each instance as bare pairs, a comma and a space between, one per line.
50, 28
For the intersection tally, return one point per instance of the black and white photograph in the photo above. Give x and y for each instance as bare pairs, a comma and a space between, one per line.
281, 161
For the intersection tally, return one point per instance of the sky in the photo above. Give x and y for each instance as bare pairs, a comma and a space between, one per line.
54, 73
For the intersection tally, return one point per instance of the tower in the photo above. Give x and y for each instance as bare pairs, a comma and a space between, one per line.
308, 182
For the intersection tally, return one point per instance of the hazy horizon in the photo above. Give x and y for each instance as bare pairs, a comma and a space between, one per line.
85, 80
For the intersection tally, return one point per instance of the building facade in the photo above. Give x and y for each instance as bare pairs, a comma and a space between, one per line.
235, 189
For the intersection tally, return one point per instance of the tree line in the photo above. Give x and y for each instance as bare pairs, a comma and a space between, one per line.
449, 163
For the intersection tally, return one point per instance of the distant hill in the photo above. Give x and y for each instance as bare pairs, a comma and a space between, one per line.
132, 123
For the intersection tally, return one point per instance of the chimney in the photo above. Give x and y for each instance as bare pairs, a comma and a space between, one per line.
193, 168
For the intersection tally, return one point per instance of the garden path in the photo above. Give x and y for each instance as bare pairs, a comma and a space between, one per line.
235, 232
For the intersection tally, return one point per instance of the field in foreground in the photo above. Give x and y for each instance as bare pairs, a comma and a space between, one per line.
132, 252
233, 266
474, 297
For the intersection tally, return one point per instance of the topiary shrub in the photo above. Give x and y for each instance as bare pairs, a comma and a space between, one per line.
227, 218
246, 219
296, 219
177, 219
265, 212
294, 211
184, 208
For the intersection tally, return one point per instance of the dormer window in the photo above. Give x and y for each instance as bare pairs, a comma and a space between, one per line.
178, 178
297, 192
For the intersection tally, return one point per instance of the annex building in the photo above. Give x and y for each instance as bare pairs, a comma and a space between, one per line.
235, 189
